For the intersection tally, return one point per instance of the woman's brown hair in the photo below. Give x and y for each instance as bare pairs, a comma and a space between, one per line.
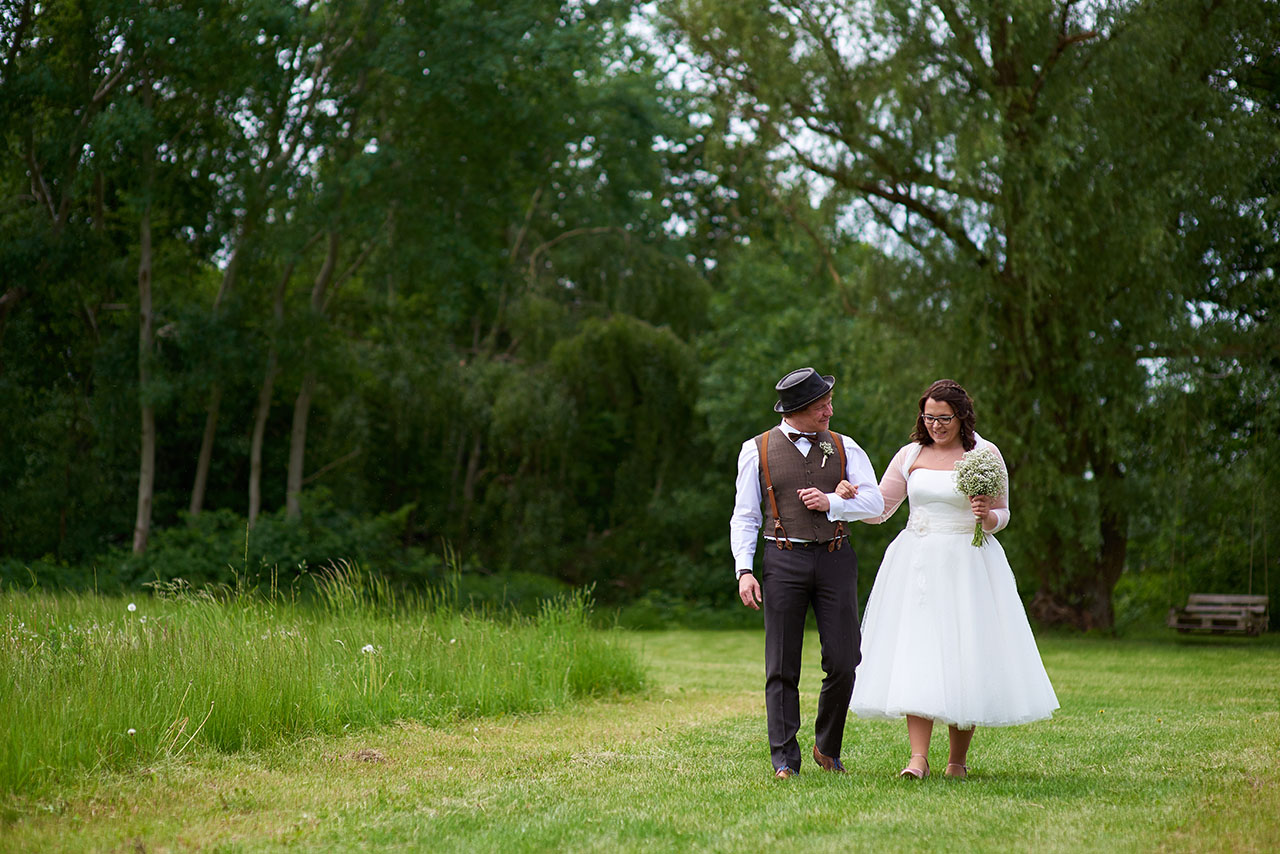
950, 392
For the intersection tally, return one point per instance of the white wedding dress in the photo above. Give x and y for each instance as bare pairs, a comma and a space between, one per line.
945, 635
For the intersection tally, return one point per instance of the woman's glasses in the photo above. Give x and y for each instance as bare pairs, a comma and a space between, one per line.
944, 420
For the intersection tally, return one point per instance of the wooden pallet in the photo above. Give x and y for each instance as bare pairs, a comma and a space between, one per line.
1221, 613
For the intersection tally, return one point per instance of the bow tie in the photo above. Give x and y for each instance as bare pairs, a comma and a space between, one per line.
796, 437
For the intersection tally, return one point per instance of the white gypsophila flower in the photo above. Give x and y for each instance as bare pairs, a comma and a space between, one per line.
827, 450
367, 648
980, 472
132, 607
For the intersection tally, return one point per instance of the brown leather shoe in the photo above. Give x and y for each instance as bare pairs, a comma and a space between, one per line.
829, 763
785, 773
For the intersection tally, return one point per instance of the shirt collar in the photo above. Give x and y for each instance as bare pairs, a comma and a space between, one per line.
787, 427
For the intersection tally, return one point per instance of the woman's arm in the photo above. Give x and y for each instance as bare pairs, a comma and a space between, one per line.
893, 486
997, 516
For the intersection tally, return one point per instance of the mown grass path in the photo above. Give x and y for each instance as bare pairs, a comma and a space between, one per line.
1158, 746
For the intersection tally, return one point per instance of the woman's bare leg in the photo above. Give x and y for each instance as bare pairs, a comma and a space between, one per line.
957, 760
919, 731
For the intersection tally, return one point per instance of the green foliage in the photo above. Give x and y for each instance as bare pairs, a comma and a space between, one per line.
217, 547
505, 277
1061, 192
494, 183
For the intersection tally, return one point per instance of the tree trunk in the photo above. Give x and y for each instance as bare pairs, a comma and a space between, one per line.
206, 451
7, 301
259, 432
146, 335
302, 405
298, 445
469, 484
1114, 524
263, 411
205, 459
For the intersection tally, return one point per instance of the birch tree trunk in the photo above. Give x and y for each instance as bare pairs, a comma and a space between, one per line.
259, 433
201, 483
302, 405
264, 402
146, 337
203, 461
298, 445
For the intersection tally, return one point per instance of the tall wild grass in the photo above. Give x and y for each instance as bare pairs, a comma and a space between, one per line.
96, 682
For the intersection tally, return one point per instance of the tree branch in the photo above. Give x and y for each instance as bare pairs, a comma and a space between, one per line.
328, 467
38, 186
932, 215
18, 32
320, 287
352, 268
886, 220
11, 297
114, 76
1064, 41
524, 227
573, 232
912, 173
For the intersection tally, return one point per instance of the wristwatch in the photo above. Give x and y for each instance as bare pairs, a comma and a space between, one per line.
743, 572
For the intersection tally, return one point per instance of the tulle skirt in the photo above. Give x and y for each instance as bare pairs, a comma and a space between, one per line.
945, 637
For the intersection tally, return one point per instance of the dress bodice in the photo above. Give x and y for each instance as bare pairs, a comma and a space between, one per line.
936, 505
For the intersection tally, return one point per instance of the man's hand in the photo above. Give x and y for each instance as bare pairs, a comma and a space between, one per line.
814, 499
749, 591
846, 490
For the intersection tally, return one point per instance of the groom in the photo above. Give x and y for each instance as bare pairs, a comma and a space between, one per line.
792, 470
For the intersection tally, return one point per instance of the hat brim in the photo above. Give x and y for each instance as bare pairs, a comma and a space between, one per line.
828, 381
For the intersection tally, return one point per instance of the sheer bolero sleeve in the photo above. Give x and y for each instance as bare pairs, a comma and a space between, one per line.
893, 486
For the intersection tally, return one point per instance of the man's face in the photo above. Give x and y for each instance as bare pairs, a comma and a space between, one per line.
813, 418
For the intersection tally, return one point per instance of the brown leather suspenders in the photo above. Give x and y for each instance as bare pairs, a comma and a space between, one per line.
838, 540
779, 532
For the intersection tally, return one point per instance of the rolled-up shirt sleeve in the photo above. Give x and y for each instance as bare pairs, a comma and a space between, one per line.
744, 525
868, 503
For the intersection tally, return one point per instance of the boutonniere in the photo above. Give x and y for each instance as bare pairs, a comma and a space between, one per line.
827, 450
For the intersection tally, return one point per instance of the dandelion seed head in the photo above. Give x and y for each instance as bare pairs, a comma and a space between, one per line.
367, 648
453, 640
132, 731
132, 607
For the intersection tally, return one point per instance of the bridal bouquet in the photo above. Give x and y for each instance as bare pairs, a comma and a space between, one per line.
979, 472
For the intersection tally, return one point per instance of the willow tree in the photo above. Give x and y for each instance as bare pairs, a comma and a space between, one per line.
1059, 182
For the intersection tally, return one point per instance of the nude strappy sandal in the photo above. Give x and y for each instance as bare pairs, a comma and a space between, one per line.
916, 773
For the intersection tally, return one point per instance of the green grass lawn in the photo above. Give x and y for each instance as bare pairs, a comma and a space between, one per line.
1170, 744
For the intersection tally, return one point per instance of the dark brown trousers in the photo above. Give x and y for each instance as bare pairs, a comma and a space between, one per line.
792, 582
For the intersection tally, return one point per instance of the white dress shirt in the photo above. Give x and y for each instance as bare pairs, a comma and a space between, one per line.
744, 526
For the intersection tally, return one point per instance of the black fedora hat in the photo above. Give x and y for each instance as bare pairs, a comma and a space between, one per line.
800, 388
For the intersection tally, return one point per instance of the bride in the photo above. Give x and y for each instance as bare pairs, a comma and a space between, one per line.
945, 637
